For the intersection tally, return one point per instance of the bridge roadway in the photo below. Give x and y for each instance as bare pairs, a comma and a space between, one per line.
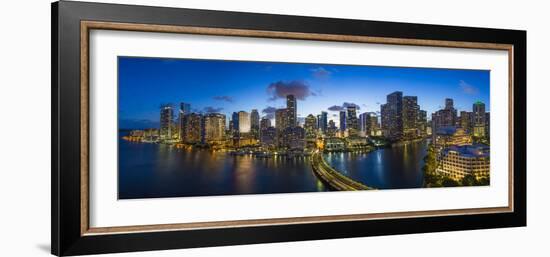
333, 178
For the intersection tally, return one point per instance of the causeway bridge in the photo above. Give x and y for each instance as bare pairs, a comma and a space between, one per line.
331, 177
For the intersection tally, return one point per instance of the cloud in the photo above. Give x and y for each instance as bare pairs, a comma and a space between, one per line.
281, 89
467, 88
225, 98
321, 73
336, 108
210, 109
344, 106
269, 112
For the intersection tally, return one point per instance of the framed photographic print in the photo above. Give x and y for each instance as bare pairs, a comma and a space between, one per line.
176, 128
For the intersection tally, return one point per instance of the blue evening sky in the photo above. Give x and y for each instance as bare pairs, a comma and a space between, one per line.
228, 86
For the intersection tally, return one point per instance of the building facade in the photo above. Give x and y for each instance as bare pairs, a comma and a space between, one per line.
214, 128
459, 161
166, 122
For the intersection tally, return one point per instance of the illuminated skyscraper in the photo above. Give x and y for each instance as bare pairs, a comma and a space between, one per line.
374, 125
235, 122
410, 116
244, 122
331, 129
322, 121
185, 109
352, 124
478, 119
294, 138
311, 127
444, 117
268, 137
363, 123
255, 123
214, 127
392, 116
281, 123
422, 122
342, 121
193, 128
466, 121
291, 107
368, 123
264, 124
166, 120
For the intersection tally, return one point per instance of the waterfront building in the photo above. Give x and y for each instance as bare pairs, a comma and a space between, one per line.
193, 128
268, 137
291, 107
374, 127
364, 123
244, 122
264, 124
214, 128
392, 116
352, 124
356, 143
422, 123
342, 121
151, 136
281, 123
332, 129
459, 161
466, 120
411, 110
334, 144
310, 126
444, 117
255, 123
185, 108
322, 120
235, 123
478, 119
294, 138
166, 122
451, 135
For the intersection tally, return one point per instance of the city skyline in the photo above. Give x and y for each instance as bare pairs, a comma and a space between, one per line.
147, 83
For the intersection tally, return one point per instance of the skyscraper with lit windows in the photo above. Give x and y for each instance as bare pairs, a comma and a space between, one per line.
342, 121
255, 123
291, 107
244, 122
352, 124
410, 116
166, 120
478, 113
214, 127
392, 116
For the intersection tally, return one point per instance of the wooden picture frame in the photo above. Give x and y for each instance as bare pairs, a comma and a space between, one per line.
71, 25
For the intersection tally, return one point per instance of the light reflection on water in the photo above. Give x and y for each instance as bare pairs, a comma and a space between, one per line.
156, 170
386, 168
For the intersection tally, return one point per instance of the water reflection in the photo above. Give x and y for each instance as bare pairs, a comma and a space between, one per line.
157, 170
387, 168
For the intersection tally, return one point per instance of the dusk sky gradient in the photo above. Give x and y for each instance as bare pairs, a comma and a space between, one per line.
228, 86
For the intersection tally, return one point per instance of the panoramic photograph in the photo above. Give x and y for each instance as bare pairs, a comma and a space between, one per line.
193, 127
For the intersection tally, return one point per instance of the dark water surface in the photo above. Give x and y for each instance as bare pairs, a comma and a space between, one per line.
158, 170
386, 168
